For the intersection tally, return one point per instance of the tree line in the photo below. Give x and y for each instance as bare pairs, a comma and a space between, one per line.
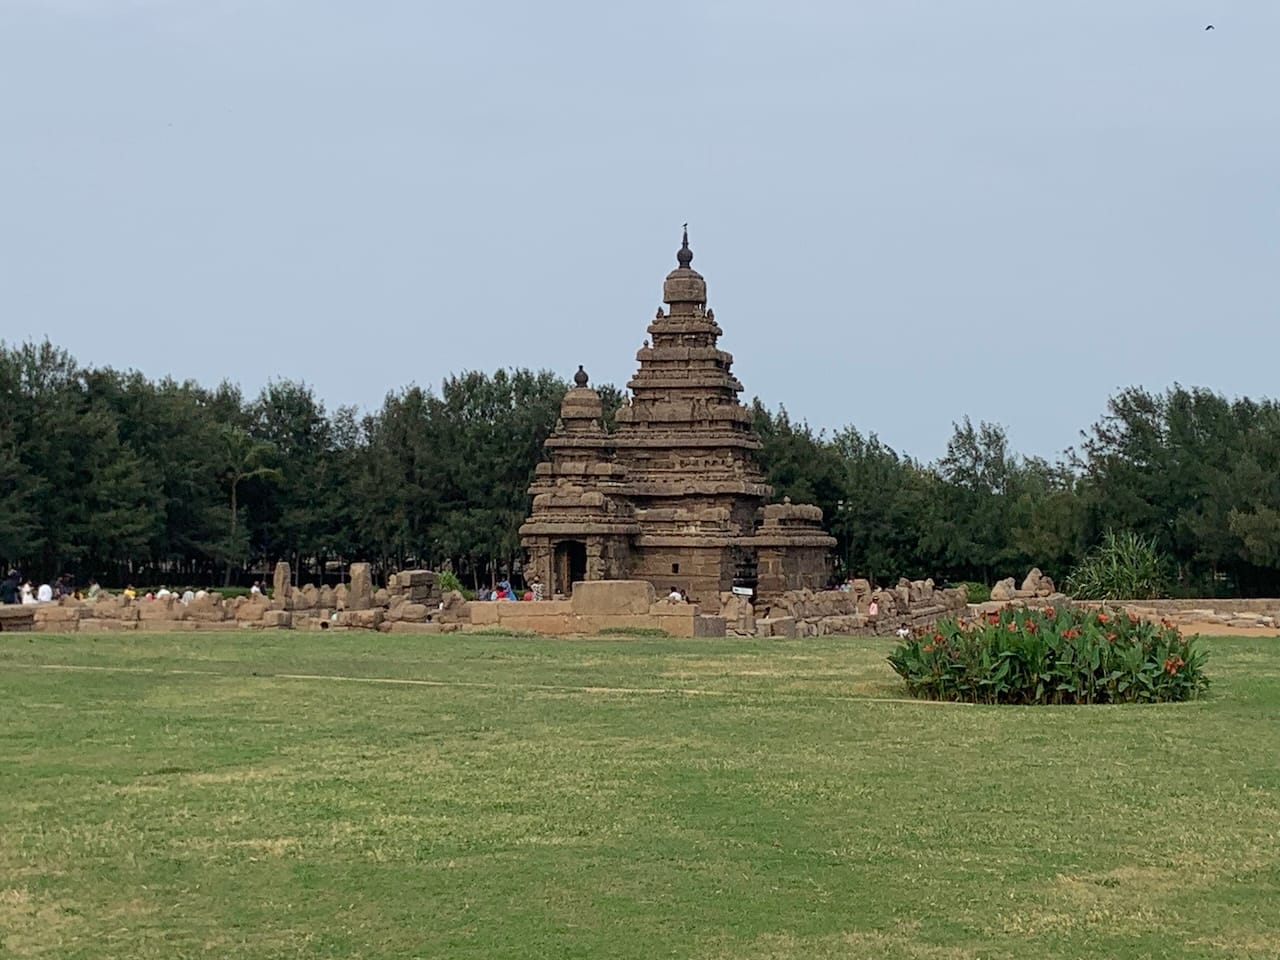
108, 474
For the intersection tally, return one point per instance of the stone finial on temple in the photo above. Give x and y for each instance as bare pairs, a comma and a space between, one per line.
684, 256
580, 378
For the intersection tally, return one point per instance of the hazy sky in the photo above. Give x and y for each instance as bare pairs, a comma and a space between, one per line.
906, 211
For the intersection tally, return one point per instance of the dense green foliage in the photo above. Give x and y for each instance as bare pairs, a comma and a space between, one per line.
108, 474
1124, 566
231, 795
1051, 656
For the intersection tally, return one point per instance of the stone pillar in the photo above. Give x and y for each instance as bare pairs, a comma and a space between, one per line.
281, 586
360, 594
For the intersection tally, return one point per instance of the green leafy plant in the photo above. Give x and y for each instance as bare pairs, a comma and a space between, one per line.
632, 632
448, 580
978, 592
1051, 656
1125, 566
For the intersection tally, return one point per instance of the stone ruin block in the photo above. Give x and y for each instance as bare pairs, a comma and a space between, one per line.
739, 615
781, 627
402, 626
341, 598
48, 616
277, 618
705, 626
115, 608
369, 619
325, 599
612, 597
208, 609
306, 598
1005, 590
409, 612
164, 608
167, 626
360, 593
454, 608
94, 625
282, 586
17, 618
251, 609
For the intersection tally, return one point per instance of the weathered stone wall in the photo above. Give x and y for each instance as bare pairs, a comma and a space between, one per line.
702, 572
808, 613
597, 605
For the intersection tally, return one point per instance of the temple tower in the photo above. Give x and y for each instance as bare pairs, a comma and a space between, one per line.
674, 494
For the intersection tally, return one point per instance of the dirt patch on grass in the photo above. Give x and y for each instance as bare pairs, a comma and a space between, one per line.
235, 775
783, 946
31, 924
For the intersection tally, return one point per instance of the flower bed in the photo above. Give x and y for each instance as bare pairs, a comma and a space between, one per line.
1050, 656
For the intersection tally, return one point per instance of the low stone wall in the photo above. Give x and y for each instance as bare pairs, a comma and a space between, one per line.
17, 618
807, 613
595, 606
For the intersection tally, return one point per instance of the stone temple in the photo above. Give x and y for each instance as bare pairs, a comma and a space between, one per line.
674, 494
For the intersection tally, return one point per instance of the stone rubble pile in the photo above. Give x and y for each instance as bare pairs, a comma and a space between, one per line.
808, 613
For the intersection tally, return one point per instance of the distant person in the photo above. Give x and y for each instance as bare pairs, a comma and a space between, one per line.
44, 594
129, 593
536, 586
256, 589
9, 588
187, 596
163, 592
873, 609
28, 593
903, 632
94, 589
675, 596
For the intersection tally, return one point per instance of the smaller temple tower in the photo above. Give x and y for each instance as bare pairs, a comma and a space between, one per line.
581, 527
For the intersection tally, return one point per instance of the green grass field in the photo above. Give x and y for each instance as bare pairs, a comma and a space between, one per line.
312, 795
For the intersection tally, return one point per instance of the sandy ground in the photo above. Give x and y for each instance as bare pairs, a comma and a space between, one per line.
1222, 630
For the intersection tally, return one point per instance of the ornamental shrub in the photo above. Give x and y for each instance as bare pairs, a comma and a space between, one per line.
1050, 656
1125, 566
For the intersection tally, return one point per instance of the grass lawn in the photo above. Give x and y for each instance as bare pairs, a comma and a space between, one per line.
245, 795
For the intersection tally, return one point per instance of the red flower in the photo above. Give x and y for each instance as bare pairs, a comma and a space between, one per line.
1103, 618
993, 618
938, 638
1013, 626
928, 648
1111, 638
1050, 612
1030, 625
1172, 664
1070, 634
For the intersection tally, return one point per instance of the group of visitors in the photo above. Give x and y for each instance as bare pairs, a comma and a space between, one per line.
505, 591
14, 589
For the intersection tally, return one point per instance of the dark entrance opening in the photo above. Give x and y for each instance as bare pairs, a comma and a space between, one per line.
570, 565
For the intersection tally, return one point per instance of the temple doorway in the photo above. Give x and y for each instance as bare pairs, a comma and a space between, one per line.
570, 565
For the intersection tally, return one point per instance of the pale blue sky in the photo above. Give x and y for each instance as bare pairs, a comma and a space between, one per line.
906, 211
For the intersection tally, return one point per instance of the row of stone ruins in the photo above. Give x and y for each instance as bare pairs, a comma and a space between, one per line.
412, 602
